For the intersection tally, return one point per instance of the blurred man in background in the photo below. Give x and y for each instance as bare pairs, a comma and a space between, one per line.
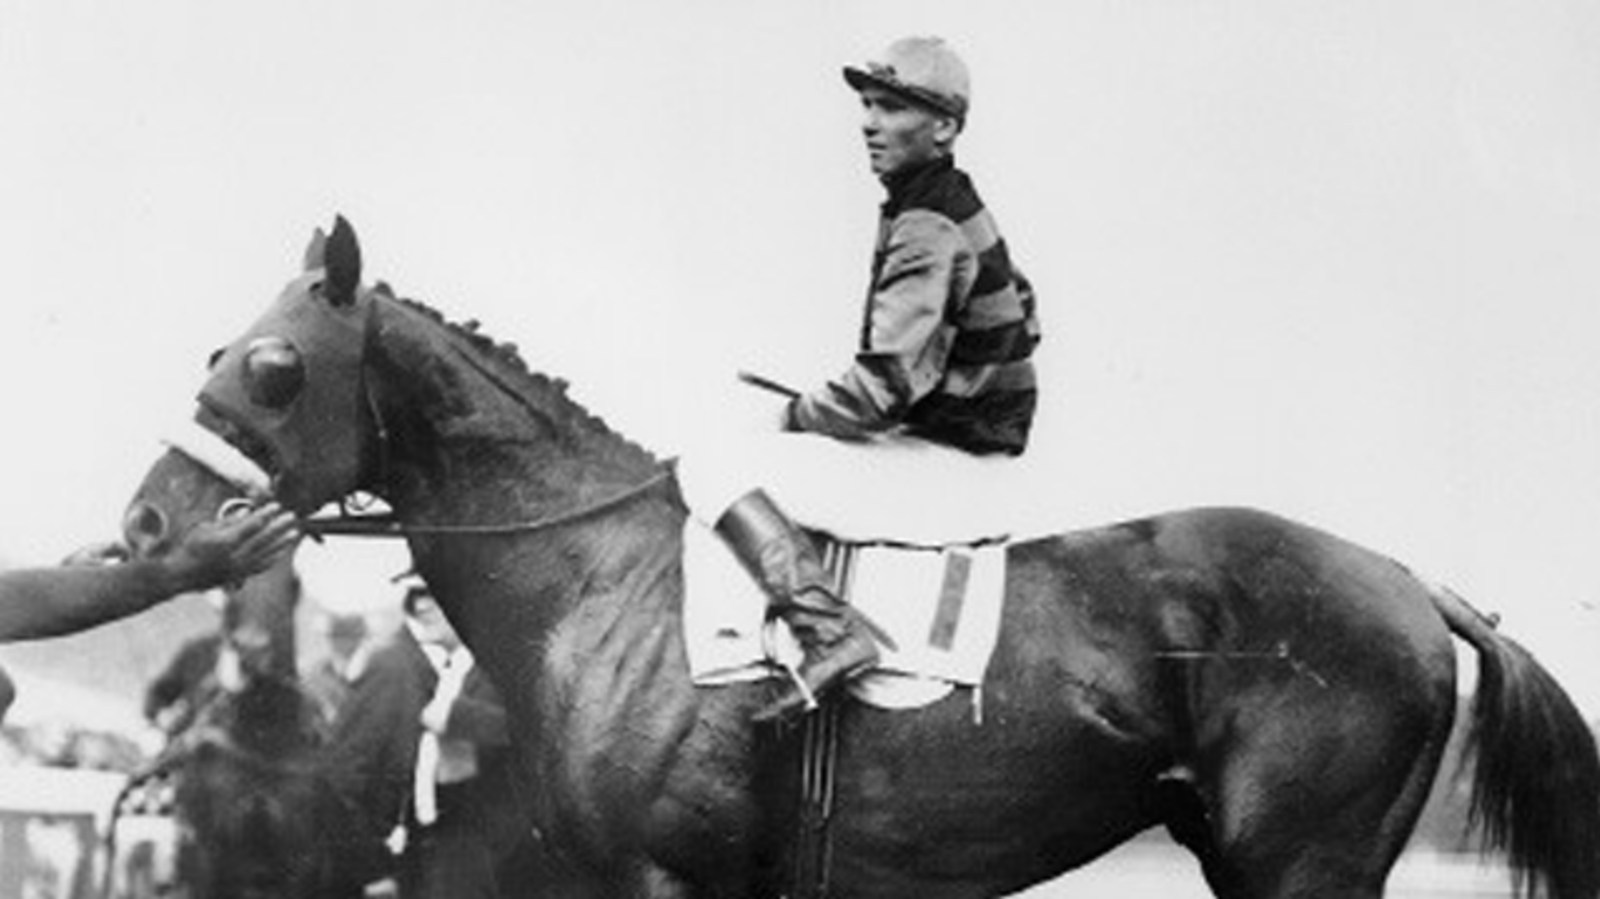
185, 685
463, 814
328, 680
420, 754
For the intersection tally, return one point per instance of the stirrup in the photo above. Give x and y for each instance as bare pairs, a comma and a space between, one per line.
769, 649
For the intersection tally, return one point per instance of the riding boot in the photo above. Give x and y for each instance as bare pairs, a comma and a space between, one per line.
837, 639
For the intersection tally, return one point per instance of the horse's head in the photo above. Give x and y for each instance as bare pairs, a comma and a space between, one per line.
341, 388
179, 493
290, 393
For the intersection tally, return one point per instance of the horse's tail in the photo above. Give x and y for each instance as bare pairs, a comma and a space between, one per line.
1536, 782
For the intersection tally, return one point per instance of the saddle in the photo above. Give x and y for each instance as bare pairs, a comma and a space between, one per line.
941, 605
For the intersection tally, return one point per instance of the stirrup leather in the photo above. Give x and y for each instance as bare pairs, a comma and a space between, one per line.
770, 633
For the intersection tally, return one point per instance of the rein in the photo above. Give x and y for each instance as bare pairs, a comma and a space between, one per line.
345, 524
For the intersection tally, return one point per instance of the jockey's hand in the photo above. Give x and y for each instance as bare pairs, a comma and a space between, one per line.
230, 550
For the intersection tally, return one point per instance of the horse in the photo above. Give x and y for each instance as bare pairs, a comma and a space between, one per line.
250, 804
1277, 697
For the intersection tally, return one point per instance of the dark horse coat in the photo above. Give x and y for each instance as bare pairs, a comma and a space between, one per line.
1277, 697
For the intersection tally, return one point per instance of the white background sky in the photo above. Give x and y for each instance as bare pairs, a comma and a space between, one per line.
1336, 260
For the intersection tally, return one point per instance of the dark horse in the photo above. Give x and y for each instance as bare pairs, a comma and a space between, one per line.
251, 807
1277, 697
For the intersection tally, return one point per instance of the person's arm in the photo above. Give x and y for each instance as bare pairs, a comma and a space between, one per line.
928, 264
49, 602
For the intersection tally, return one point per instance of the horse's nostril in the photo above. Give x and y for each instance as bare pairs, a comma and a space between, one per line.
144, 527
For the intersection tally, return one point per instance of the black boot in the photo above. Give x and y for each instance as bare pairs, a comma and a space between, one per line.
837, 639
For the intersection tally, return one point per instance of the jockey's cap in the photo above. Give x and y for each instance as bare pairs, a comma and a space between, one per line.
923, 70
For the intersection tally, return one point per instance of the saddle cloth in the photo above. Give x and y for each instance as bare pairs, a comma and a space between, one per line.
941, 606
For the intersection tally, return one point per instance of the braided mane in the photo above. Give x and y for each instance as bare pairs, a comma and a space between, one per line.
507, 361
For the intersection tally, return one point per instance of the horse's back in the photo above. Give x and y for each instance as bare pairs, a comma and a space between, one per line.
1227, 580
1205, 619
1144, 669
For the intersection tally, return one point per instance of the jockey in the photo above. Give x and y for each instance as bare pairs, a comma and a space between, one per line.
941, 388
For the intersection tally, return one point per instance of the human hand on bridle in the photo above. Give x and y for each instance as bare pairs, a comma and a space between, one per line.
243, 541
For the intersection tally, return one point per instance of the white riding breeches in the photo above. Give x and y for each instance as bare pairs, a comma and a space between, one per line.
892, 487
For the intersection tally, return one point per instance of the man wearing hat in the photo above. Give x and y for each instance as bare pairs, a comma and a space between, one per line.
420, 753
941, 385
949, 323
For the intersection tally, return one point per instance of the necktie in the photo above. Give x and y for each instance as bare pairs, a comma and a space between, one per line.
424, 790
424, 786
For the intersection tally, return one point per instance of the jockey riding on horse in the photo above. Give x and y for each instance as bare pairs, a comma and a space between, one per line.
941, 387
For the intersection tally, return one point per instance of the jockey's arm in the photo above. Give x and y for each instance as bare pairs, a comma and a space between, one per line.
928, 264
50, 602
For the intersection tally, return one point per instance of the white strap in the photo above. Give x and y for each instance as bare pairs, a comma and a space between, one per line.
218, 455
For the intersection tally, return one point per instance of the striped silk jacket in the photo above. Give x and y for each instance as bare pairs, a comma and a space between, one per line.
948, 330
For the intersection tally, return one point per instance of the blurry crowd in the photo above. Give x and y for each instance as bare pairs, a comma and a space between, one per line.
417, 742
58, 744
173, 698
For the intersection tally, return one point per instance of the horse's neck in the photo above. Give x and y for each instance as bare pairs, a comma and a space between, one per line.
473, 440
607, 558
589, 528
574, 605
470, 432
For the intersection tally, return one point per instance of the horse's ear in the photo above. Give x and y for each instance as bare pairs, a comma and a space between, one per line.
342, 261
315, 250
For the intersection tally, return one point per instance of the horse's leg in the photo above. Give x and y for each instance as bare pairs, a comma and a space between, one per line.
1291, 820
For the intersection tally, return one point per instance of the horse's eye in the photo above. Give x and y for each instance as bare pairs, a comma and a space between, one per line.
274, 373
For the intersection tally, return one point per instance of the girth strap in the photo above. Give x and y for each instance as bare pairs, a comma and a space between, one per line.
811, 861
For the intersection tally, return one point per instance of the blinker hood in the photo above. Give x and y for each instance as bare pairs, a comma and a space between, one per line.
311, 442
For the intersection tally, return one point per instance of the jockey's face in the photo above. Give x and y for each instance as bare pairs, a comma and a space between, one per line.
901, 134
